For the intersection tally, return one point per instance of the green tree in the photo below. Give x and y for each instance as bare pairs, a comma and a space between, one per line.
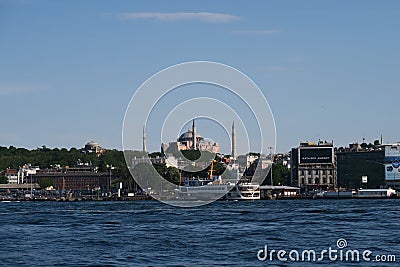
172, 175
46, 182
280, 173
191, 154
3, 179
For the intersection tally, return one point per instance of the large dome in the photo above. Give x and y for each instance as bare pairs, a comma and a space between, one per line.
188, 136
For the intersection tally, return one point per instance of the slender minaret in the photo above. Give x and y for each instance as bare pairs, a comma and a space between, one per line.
194, 147
144, 139
234, 155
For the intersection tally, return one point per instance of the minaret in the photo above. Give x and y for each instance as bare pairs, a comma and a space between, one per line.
194, 146
144, 139
234, 155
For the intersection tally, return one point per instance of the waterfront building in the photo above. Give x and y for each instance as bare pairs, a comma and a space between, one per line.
12, 176
363, 166
358, 161
278, 191
80, 177
313, 166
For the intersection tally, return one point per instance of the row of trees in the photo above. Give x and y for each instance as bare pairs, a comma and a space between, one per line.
44, 157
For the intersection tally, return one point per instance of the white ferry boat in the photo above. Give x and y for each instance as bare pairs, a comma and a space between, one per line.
197, 189
215, 188
203, 189
244, 191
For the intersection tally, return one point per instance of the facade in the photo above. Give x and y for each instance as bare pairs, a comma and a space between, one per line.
12, 176
313, 166
76, 178
356, 162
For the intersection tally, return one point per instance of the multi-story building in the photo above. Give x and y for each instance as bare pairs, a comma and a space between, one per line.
12, 176
359, 166
313, 166
76, 178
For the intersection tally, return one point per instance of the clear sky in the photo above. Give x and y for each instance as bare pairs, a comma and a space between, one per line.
329, 69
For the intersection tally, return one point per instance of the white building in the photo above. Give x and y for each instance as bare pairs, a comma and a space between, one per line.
12, 176
25, 172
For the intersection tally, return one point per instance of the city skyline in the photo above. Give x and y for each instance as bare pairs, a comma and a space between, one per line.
328, 70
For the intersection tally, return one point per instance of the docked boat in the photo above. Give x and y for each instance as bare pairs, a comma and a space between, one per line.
198, 189
244, 191
232, 188
376, 193
203, 189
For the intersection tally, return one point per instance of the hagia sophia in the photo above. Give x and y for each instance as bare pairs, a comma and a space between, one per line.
189, 140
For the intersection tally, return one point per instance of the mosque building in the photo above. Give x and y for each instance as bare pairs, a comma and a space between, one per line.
93, 147
190, 140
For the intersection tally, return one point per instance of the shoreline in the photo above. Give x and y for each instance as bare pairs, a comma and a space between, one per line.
148, 198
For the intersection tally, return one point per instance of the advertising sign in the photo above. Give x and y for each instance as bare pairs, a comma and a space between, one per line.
316, 155
392, 162
392, 171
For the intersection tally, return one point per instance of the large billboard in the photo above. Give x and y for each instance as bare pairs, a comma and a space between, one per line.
392, 171
316, 155
392, 162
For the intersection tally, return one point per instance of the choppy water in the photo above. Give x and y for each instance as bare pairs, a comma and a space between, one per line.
148, 233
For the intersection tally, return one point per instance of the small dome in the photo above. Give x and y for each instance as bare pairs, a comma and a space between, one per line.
92, 144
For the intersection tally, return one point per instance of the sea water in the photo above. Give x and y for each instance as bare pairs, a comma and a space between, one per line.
224, 233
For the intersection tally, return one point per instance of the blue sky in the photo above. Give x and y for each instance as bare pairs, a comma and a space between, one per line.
329, 69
